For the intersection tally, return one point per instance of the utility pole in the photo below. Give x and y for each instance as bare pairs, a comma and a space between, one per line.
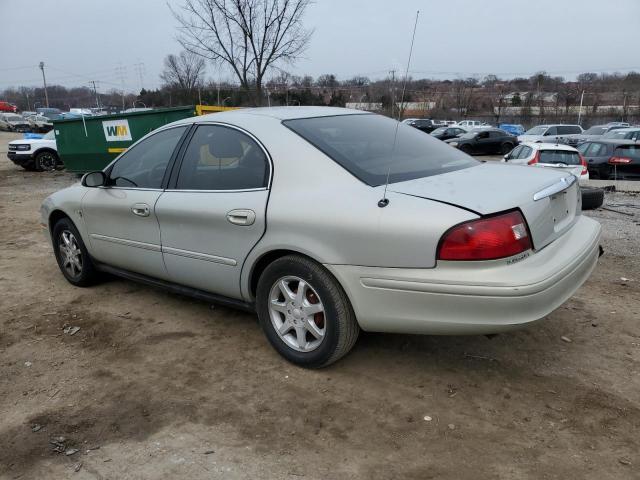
218, 85
580, 111
44, 80
392, 91
120, 71
95, 91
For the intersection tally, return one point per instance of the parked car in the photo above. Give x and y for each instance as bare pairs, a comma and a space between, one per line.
8, 107
484, 140
609, 159
15, 122
35, 154
39, 123
549, 155
549, 133
627, 133
50, 113
221, 207
592, 133
445, 133
512, 128
470, 124
424, 124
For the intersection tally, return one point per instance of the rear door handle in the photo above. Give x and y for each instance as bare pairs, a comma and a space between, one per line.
141, 209
243, 217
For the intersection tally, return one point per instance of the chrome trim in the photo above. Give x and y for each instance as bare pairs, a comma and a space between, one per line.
199, 256
128, 243
171, 190
559, 186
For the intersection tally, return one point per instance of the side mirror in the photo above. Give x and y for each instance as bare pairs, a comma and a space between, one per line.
506, 157
94, 179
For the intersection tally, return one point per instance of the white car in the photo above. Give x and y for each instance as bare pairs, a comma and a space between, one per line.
547, 155
326, 221
549, 133
39, 154
469, 124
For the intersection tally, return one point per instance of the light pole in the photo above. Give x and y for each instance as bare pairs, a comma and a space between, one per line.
580, 111
44, 80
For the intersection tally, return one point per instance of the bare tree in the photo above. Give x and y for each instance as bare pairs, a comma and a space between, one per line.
247, 36
184, 71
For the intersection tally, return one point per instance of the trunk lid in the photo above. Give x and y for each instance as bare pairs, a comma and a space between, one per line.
494, 187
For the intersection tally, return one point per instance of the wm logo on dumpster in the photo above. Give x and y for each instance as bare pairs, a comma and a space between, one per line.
116, 130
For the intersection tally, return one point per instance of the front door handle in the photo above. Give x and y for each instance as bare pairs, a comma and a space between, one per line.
141, 209
242, 217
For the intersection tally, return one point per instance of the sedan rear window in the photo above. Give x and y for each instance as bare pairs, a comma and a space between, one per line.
363, 145
559, 156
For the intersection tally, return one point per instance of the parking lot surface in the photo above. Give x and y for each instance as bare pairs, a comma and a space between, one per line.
155, 385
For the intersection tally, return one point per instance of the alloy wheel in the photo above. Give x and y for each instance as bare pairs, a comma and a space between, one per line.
70, 254
297, 313
47, 162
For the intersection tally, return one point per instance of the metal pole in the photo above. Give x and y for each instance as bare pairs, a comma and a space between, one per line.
580, 111
95, 91
44, 80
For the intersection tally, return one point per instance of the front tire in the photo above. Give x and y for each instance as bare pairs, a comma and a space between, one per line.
72, 255
46, 162
506, 148
305, 313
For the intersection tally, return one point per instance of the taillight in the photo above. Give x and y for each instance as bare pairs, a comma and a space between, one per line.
535, 159
619, 160
486, 239
583, 162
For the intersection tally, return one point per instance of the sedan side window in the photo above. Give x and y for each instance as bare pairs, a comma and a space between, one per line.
526, 151
551, 131
515, 153
222, 158
143, 166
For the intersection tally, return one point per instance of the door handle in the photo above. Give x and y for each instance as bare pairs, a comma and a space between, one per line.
141, 209
242, 217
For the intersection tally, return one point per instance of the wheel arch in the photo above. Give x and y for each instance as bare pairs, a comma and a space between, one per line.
55, 216
46, 149
267, 258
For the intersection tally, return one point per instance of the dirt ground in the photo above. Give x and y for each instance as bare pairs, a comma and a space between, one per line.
158, 386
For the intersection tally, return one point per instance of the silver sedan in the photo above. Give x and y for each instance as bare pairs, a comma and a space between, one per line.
326, 221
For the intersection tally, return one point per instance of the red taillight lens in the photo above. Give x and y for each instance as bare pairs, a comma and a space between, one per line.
583, 162
486, 239
619, 160
535, 159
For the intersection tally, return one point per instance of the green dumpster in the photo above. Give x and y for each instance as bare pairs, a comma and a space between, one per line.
91, 143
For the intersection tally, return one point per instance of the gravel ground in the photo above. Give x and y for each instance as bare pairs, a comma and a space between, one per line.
156, 386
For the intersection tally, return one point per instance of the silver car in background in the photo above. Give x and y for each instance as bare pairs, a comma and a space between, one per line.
312, 218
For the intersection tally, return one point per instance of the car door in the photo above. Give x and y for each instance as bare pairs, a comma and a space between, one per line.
213, 212
551, 135
482, 142
121, 217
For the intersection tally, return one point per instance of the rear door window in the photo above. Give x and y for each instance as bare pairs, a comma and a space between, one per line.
629, 151
363, 144
559, 156
568, 129
222, 158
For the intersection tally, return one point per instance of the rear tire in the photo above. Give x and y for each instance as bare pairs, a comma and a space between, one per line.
506, 148
284, 316
592, 197
72, 255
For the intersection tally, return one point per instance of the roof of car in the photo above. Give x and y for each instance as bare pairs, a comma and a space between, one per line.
612, 141
283, 113
549, 146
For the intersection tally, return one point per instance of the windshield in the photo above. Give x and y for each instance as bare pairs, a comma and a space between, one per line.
595, 131
14, 118
559, 156
536, 131
363, 145
50, 135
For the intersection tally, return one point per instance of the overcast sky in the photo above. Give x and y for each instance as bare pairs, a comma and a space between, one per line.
83, 40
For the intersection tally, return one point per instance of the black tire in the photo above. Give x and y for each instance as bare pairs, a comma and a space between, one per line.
506, 148
339, 320
87, 275
466, 149
592, 197
46, 161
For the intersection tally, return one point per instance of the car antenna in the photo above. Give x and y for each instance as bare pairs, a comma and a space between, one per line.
384, 201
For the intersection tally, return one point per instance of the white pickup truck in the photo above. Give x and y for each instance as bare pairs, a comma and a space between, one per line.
39, 154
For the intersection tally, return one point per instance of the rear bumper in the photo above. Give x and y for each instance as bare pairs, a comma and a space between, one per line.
472, 297
20, 158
